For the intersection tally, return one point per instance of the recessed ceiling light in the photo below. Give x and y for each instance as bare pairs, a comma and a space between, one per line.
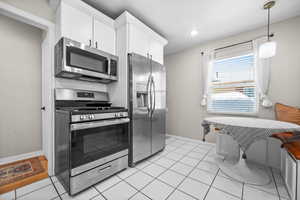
194, 33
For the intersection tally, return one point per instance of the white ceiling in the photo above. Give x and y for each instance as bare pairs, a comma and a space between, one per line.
214, 19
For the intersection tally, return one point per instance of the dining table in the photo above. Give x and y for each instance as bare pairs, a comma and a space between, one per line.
246, 131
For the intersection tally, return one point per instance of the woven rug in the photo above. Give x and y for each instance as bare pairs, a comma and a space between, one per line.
19, 170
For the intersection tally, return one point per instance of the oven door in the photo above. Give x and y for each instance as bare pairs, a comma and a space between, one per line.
96, 143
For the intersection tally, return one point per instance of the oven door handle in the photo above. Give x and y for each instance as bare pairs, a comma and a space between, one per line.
80, 126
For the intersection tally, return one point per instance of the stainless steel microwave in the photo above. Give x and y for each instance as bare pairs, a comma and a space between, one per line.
75, 60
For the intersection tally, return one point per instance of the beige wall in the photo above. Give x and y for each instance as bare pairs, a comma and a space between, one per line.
39, 8
20, 88
184, 78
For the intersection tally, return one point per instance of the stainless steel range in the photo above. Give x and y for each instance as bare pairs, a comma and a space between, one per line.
91, 138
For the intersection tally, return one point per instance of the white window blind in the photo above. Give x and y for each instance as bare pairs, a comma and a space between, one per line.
232, 84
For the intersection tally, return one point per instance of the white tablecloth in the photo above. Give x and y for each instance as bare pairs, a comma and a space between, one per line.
247, 130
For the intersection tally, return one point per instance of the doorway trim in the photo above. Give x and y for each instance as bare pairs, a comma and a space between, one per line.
48, 82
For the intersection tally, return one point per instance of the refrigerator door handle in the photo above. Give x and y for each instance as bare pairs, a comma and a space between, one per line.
154, 97
149, 95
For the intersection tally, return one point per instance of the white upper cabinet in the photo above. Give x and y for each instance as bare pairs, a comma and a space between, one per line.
138, 41
102, 31
156, 50
76, 25
141, 39
80, 22
145, 44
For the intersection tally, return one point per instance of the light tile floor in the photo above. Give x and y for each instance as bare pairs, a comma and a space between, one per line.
185, 170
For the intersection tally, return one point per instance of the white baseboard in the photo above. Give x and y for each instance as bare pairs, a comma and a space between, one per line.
20, 157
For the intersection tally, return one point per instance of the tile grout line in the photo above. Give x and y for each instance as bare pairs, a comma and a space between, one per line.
261, 190
166, 169
285, 187
242, 197
138, 190
186, 176
279, 197
137, 170
154, 178
230, 194
233, 180
100, 193
176, 162
210, 186
32, 190
55, 188
222, 190
256, 188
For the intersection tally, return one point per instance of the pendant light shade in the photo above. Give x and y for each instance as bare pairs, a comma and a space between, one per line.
268, 49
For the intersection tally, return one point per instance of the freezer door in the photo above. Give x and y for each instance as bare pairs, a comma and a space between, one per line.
139, 99
158, 110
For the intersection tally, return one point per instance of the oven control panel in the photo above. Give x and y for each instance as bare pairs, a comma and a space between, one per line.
98, 116
87, 117
121, 114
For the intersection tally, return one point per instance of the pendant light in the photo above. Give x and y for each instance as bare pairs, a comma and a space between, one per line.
268, 49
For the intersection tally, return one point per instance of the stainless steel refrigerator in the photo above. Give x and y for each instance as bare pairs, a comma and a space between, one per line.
147, 107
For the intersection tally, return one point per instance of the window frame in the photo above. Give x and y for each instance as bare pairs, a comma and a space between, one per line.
210, 69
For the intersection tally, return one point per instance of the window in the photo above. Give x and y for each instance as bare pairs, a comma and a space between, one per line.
232, 85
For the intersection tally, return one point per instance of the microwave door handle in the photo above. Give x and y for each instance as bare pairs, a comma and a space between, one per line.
81, 126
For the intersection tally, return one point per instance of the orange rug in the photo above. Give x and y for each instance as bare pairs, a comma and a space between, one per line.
16, 174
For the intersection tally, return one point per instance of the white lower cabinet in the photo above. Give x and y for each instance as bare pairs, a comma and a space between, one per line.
290, 171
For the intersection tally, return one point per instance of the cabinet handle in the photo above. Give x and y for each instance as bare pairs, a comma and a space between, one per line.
103, 169
96, 43
90, 41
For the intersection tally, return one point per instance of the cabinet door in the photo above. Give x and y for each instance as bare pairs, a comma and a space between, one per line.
76, 25
156, 50
104, 36
138, 41
139, 74
158, 113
